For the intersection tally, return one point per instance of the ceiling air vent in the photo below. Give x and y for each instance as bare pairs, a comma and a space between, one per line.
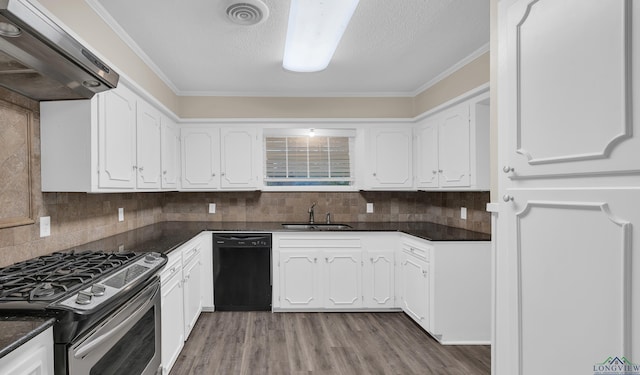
248, 12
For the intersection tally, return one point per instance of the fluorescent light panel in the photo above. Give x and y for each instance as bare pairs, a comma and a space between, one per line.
314, 31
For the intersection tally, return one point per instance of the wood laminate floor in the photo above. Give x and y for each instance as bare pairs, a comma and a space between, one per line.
256, 343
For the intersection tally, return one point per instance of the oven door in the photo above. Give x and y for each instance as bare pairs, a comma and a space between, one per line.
126, 342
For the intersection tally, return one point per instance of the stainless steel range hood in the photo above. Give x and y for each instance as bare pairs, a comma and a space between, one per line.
41, 61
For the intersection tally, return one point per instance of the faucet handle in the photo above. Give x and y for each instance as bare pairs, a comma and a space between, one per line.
328, 217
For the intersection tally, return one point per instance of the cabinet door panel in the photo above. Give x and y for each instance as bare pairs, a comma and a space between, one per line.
238, 158
573, 260
453, 151
192, 294
391, 158
379, 277
148, 146
570, 110
415, 289
117, 139
172, 318
200, 158
170, 154
427, 154
342, 278
299, 279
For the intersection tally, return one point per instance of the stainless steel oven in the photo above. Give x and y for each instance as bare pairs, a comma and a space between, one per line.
127, 341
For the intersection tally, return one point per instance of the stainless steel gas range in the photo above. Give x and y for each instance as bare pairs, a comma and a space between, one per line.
106, 306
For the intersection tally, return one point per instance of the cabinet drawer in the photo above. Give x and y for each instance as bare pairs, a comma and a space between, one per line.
191, 251
420, 250
174, 264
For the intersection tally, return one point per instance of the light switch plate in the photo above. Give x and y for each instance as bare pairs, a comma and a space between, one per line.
45, 226
369, 208
463, 213
212, 208
120, 214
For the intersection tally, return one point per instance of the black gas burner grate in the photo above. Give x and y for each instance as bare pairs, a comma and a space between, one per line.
50, 277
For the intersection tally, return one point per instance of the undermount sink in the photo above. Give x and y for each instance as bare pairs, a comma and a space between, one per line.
307, 226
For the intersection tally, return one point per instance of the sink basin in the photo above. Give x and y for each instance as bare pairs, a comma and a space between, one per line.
307, 226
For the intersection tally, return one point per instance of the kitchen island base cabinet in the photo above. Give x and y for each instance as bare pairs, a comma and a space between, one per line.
35, 357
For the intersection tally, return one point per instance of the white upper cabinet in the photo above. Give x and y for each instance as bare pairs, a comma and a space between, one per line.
240, 158
117, 139
569, 107
389, 158
148, 146
170, 153
110, 143
200, 158
452, 147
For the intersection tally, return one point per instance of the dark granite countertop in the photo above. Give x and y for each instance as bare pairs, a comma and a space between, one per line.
166, 236
17, 330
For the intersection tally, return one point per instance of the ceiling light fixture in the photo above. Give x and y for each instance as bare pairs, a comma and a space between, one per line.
314, 31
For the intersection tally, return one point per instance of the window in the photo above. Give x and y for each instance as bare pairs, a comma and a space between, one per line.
303, 160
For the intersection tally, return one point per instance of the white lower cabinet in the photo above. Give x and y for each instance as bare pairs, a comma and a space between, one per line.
446, 288
332, 271
172, 311
186, 285
35, 357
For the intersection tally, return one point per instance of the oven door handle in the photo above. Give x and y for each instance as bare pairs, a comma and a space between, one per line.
142, 300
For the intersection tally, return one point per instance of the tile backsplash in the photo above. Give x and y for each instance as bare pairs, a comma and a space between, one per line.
78, 218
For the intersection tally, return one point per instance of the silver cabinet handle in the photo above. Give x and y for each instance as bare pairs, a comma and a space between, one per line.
424, 273
141, 169
507, 198
374, 174
213, 174
222, 174
164, 172
434, 171
315, 260
507, 169
371, 260
134, 167
440, 170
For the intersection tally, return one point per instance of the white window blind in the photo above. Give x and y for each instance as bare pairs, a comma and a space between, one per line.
303, 160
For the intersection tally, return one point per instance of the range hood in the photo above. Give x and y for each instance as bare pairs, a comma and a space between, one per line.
41, 61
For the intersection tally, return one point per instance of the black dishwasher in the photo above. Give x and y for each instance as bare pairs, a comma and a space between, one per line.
242, 271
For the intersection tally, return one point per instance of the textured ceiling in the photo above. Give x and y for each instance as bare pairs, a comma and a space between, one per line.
391, 47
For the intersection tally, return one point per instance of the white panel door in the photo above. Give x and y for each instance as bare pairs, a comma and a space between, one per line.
569, 92
569, 147
573, 256
117, 139
454, 146
300, 279
170, 154
239, 158
379, 279
200, 158
342, 278
148, 146
390, 158
427, 154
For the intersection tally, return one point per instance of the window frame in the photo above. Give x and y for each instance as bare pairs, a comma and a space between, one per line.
351, 134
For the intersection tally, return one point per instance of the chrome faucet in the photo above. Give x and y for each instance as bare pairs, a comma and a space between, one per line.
311, 213
328, 217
